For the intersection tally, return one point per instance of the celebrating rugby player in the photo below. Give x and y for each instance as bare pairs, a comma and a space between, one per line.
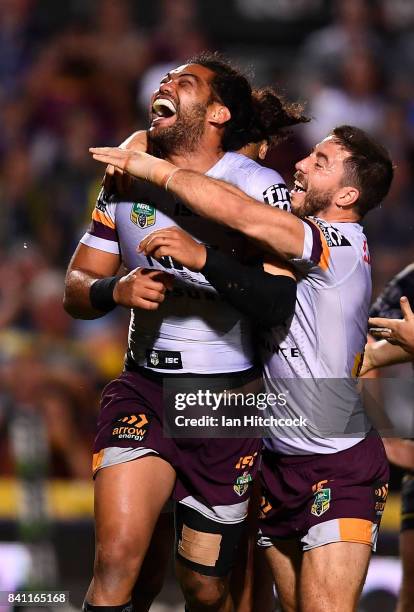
325, 485
201, 112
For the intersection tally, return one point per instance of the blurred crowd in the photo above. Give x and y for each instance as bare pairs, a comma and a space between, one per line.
86, 80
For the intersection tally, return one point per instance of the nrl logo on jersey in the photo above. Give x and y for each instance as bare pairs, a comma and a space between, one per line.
142, 214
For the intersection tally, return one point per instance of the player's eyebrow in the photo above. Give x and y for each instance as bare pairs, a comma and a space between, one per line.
168, 76
189, 74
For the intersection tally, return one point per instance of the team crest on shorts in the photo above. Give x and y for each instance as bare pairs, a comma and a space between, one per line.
321, 502
143, 214
131, 427
242, 483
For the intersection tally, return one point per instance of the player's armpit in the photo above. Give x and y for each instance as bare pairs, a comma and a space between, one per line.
268, 299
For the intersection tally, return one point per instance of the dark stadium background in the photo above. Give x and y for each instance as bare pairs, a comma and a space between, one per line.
79, 73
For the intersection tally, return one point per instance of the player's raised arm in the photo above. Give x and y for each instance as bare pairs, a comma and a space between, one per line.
275, 229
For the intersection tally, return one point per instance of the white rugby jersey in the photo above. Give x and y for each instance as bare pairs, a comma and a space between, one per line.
193, 330
324, 344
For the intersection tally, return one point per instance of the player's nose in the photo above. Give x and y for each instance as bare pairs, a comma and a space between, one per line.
302, 164
167, 87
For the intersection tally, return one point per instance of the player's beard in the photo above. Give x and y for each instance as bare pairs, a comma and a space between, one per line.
184, 135
314, 203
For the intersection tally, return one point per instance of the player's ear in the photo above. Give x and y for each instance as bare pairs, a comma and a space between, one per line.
347, 197
263, 149
218, 113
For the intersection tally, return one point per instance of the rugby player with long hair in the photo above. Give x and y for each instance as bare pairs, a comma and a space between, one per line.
201, 112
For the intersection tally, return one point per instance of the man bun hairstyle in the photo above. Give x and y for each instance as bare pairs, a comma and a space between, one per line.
369, 167
273, 115
255, 114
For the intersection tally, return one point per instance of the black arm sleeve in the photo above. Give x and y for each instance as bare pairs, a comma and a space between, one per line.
268, 299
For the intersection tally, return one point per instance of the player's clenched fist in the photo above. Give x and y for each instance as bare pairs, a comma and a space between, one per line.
142, 288
174, 242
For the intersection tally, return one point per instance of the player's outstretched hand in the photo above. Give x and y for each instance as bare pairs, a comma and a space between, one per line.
174, 242
115, 178
396, 331
137, 163
142, 288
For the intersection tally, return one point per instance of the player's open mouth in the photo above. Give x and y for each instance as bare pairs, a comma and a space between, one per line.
163, 109
298, 187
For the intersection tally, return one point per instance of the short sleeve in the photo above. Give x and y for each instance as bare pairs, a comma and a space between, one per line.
102, 232
266, 185
328, 256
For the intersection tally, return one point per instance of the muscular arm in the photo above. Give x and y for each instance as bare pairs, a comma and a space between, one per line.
87, 265
140, 288
276, 230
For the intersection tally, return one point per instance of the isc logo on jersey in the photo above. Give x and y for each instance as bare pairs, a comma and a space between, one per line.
143, 214
277, 195
167, 360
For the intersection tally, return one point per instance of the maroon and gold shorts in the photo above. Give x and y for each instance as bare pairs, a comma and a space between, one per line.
319, 499
214, 475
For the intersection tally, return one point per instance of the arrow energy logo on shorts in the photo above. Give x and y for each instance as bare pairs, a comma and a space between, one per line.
131, 427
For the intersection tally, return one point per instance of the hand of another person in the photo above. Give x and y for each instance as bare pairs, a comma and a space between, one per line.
142, 288
396, 331
175, 243
137, 163
115, 178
